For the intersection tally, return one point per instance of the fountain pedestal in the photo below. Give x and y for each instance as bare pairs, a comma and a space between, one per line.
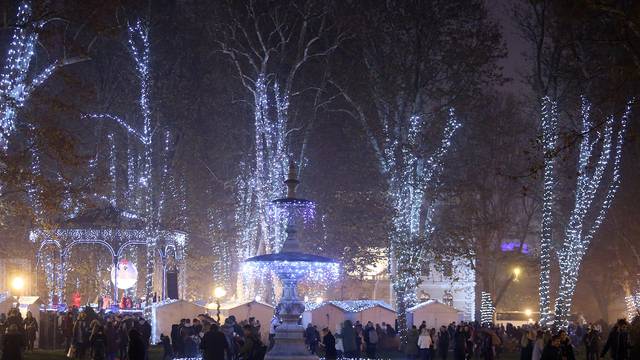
289, 339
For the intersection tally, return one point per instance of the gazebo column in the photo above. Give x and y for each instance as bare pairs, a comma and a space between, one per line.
115, 279
164, 276
62, 275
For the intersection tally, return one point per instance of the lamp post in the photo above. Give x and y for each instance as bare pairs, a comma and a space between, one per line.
516, 273
218, 293
17, 284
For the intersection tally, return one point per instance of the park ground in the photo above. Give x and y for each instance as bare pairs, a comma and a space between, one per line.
156, 354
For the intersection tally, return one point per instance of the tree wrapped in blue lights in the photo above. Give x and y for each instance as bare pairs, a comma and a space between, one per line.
139, 49
19, 78
599, 153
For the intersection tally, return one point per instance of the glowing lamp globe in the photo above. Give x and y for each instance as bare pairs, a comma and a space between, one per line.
127, 274
17, 283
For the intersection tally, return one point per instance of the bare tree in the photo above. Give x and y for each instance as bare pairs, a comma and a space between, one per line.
412, 59
270, 45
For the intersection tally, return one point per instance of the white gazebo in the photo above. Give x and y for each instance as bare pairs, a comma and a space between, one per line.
115, 230
434, 314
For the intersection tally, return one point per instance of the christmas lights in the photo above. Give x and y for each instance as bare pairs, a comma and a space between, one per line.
549, 140
261, 224
308, 270
592, 166
409, 176
632, 308
487, 309
15, 83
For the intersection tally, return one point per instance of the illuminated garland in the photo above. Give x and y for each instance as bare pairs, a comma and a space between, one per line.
487, 309
13, 80
139, 48
591, 169
549, 139
261, 226
409, 175
350, 306
632, 303
309, 271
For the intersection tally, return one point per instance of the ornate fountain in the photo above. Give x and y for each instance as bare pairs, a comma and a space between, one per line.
291, 265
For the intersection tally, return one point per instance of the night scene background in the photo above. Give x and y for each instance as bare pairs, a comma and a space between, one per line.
495, 137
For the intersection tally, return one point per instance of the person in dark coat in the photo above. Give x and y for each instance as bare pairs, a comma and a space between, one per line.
176, 339
112, 340
214, 344
329, 344
31, 330
348, 334
311, 338
443, 343
460, 344
618, 341
137, 348
411, 346
552, 350
13, 344
591, 342
566, 348
98, 343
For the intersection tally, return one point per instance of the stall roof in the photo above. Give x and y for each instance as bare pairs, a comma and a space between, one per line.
351, 306
233, 305
433, 303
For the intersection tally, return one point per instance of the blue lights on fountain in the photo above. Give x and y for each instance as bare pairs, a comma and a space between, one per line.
292, 265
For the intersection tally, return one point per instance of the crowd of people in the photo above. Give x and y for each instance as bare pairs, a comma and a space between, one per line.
204, 336
86, 334
350, 340
472, 341
97, 336
16, 333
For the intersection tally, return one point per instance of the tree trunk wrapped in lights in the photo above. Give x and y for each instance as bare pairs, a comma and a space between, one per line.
550, 140
139, 48
16, 81
588, 211
269, 49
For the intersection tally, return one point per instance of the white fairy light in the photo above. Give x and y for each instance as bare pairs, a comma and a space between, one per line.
591, 169
324, 272
487, 309
409, 176
549, 139
15, 85
261, 226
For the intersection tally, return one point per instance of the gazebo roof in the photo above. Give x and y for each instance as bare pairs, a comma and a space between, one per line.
104, 216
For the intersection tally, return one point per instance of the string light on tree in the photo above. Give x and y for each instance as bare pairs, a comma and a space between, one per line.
409, 175
16, 83
487, 309
549, 113
597, 154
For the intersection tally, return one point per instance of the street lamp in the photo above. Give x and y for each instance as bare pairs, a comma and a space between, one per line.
516, 273
528, 312
218, 293
17, 284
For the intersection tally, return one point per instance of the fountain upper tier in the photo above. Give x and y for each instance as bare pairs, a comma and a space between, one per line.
291, 254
